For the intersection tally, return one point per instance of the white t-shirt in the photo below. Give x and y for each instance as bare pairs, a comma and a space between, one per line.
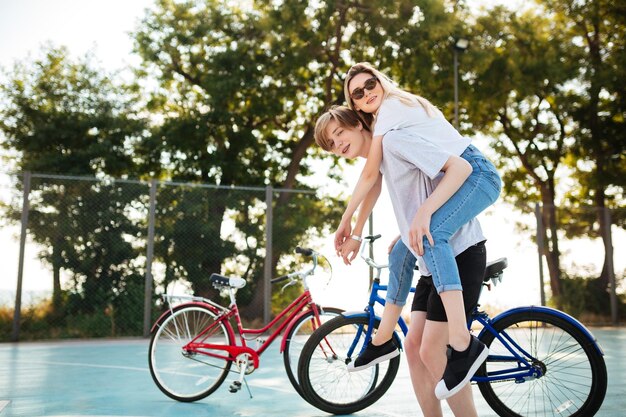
434, 138
407, 160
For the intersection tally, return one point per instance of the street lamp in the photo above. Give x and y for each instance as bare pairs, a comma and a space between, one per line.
460, 45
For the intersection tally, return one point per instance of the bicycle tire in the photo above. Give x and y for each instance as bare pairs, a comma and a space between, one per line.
574, 377
298, 335
324, 378
188, 376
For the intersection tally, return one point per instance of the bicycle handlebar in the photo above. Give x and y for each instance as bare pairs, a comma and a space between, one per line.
372, 238
279, 279
304, 251
300, 274
366, 258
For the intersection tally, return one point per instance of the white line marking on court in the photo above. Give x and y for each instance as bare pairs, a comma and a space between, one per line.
90, 365
386, 413
3, 403
252, 384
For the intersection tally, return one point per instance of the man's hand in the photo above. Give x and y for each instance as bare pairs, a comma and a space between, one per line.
392, 244
343, 232
349, 250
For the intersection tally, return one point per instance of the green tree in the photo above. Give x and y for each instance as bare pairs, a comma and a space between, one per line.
596, 32
68, 118
519, 97
240, 88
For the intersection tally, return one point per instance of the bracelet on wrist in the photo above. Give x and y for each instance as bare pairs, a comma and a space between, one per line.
357, 238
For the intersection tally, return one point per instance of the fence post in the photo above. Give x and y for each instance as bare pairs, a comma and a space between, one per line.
267, 271
609, 265
539, 219
147, 305
20, 268
371, 232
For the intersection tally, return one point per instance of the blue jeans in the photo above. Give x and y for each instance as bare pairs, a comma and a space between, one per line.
401, 271
479, 191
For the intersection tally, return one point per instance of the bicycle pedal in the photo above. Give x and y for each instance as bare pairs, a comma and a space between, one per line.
235, 386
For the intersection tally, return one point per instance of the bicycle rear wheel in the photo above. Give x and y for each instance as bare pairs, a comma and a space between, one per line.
574, 378
323, 374
297, 337
189, 375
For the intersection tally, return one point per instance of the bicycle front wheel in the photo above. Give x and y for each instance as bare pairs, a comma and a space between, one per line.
189, 375
323, 368
573, 374
297, 337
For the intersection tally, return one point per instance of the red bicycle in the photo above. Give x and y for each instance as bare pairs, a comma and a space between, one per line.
193, 344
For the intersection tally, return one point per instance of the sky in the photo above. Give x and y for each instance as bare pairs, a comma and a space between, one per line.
103, 26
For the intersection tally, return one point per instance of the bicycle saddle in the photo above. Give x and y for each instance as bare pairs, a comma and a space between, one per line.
495, 268
223, 281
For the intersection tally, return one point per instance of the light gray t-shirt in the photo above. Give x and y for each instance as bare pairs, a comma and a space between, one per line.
404, 155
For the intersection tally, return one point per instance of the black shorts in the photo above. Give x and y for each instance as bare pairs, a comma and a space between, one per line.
471, 264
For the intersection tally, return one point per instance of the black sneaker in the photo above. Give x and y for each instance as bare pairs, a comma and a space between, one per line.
374, 354
461, 368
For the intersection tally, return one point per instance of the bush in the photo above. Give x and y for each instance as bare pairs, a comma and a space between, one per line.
585, 299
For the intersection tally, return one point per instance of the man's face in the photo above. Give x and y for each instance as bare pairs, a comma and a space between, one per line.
347, 141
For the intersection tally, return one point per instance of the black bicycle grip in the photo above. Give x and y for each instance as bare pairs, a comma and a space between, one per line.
278, 279
372, 238
304, 251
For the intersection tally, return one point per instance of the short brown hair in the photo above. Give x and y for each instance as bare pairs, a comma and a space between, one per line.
343, 115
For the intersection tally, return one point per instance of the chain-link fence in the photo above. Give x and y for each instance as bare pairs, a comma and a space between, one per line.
109, 248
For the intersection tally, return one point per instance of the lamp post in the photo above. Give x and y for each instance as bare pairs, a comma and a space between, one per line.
460, 45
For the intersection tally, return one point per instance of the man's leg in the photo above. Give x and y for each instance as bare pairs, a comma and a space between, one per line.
421, 378
432, 352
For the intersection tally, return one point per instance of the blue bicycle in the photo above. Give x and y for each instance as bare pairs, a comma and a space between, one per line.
542, 362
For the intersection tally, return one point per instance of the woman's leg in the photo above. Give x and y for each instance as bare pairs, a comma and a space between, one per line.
382, 347
401, 271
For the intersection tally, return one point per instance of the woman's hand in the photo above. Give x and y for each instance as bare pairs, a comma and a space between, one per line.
349, 250
344, 230
420, 227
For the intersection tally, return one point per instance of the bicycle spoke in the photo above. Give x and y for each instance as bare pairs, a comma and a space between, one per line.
183, 373
567, 366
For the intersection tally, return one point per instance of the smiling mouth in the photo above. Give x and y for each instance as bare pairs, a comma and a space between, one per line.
371, 100
345, 149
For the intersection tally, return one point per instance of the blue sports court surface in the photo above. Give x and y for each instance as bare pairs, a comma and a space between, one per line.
111, 378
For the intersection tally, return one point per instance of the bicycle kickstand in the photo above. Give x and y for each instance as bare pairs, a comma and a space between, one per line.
236, 385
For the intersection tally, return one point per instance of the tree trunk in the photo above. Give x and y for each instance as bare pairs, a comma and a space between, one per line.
551, 249
595, 63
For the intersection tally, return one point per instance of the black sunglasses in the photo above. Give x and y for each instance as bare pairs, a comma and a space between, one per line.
359, 92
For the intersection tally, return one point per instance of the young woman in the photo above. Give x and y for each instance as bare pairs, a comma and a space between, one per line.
340, 131
469, 184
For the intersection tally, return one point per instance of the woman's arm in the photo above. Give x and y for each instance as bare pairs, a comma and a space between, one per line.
368, 178
350, 247
456, 170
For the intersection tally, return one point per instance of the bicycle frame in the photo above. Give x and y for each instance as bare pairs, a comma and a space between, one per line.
370, 314
524, 370
286, 317
523, 360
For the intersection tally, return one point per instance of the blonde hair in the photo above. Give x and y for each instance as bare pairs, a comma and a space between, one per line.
390, 89
343, 115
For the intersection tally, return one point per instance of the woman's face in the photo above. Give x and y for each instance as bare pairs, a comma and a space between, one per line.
366, 92
348, 142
